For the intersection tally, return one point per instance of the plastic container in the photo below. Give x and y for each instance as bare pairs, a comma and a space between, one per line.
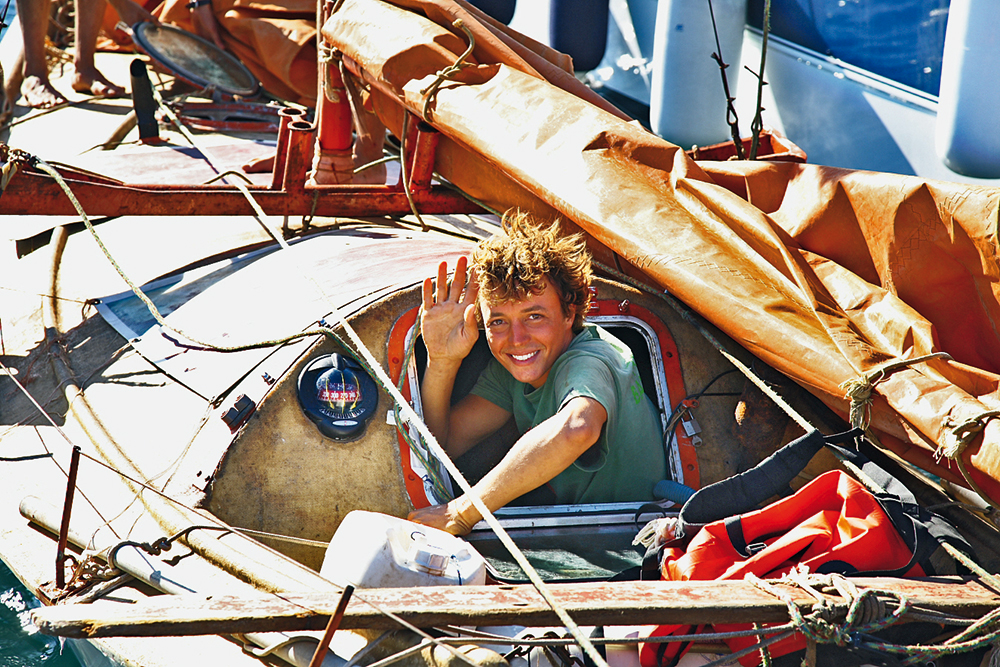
372, 550
967, 135
687, 105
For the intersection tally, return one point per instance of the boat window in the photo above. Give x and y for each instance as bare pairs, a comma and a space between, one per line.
484, 456
902, 40
566, 542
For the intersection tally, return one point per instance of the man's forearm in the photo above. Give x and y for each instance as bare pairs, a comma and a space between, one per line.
435, 397
541, 454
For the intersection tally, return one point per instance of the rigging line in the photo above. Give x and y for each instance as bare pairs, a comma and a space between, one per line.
45, 296
61, 432
408, 413
473, 636
259, 214
402, 170
154, 311
689, 318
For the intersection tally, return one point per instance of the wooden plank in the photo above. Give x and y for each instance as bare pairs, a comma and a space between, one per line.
621, 603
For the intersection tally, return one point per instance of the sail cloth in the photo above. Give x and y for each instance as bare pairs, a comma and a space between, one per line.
825, 274
275, 40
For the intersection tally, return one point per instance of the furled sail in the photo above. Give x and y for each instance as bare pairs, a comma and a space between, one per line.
831, 276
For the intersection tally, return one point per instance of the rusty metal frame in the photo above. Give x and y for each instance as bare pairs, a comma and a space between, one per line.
33, 192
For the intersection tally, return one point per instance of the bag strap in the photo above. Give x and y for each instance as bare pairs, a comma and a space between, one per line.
922, 530
747, 490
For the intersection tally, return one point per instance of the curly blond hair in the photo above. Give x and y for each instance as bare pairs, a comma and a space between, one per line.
515, 262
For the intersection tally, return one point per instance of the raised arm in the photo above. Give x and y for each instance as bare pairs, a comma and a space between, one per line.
537, 457
448, 325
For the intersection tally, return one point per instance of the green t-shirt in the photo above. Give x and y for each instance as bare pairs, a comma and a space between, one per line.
628, 459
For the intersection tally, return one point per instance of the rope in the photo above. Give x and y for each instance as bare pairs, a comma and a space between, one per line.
154, 311
962, 433
441, 490
866, 613
859, 390
448, 73
690, 319
407, 411
258, 214
402, 172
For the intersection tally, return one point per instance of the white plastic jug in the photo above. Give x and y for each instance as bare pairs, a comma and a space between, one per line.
372, 550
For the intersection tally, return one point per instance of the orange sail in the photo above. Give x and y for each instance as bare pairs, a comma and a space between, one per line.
831, 276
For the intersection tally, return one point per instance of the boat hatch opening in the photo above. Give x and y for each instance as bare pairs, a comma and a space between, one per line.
558, 539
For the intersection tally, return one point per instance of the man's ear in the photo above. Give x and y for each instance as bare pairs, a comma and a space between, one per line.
570, 310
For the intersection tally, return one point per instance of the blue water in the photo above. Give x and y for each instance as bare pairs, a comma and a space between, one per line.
21, 645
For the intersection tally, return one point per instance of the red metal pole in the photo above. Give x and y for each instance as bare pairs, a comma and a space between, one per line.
74, 466
334, 160
422, 164
286, 115
331, 627
300, 138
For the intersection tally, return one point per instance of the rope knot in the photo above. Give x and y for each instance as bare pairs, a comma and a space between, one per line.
866, 609
859, 390
961, 433
449, 72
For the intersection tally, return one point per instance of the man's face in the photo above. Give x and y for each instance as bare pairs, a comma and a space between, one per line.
527, 336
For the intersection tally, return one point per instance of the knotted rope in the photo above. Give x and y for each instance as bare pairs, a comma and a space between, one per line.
867, 609
957, 437
868, 612
961, 433
448, 73
859, 390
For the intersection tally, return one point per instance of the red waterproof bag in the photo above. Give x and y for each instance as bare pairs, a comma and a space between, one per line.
832, 524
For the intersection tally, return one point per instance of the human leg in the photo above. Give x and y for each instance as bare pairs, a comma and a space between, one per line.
36, 88
87, 78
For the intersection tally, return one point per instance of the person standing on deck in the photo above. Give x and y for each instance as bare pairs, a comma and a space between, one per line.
588, 430
36, 89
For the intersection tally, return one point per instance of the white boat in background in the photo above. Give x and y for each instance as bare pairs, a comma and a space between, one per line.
840, 114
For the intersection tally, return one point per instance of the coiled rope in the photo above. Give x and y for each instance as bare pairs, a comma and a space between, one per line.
869, 610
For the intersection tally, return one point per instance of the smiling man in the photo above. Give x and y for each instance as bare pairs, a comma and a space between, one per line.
588, 430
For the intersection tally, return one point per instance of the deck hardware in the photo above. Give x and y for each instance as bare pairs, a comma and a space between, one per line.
624, 306
74, 466
331, 627
143, 103
338, 396
237, 415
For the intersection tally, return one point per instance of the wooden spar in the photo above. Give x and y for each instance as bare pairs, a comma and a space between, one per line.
620, 603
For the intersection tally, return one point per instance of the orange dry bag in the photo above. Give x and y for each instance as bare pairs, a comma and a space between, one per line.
832, 524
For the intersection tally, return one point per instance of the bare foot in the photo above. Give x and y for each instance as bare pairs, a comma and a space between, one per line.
259, 165
38, 93
94, 83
